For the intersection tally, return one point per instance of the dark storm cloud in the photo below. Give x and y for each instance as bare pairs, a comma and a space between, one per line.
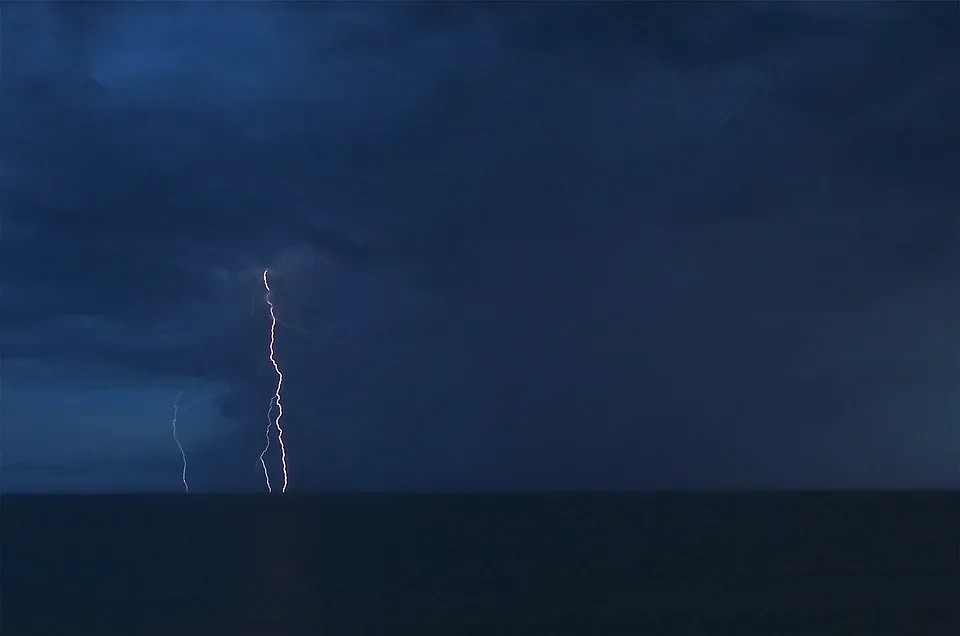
664, 251
137, 168
531, 243
742, 133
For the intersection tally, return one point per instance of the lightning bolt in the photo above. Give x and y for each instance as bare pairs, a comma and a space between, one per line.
275, 400
263, 463
183, 474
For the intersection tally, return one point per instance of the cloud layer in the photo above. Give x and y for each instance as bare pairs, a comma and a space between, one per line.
531, 245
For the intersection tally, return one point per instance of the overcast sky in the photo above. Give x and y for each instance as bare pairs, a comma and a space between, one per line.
516, 245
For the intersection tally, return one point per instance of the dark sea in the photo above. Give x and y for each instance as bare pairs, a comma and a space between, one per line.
741, 564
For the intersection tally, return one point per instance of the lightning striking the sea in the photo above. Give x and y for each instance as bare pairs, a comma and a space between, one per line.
275, 400
183, 455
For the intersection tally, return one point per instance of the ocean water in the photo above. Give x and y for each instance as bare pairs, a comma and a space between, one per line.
779, 564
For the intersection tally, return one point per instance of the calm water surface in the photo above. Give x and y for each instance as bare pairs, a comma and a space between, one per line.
778, 564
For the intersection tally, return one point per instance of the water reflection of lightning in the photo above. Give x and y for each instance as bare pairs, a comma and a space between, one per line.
275, 400
183, 474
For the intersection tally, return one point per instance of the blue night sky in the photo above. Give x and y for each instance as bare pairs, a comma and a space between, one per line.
519, 245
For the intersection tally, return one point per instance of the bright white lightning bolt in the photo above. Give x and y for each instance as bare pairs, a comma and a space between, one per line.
275, 399
183, 474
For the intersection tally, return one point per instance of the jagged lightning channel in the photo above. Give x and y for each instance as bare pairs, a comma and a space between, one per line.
263, 462
275, 400
183, 455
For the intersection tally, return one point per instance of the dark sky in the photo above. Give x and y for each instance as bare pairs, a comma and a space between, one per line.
525, 245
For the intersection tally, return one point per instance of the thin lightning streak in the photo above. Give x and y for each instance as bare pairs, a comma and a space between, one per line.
276, 395
183, 474
263, 463
294, 327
